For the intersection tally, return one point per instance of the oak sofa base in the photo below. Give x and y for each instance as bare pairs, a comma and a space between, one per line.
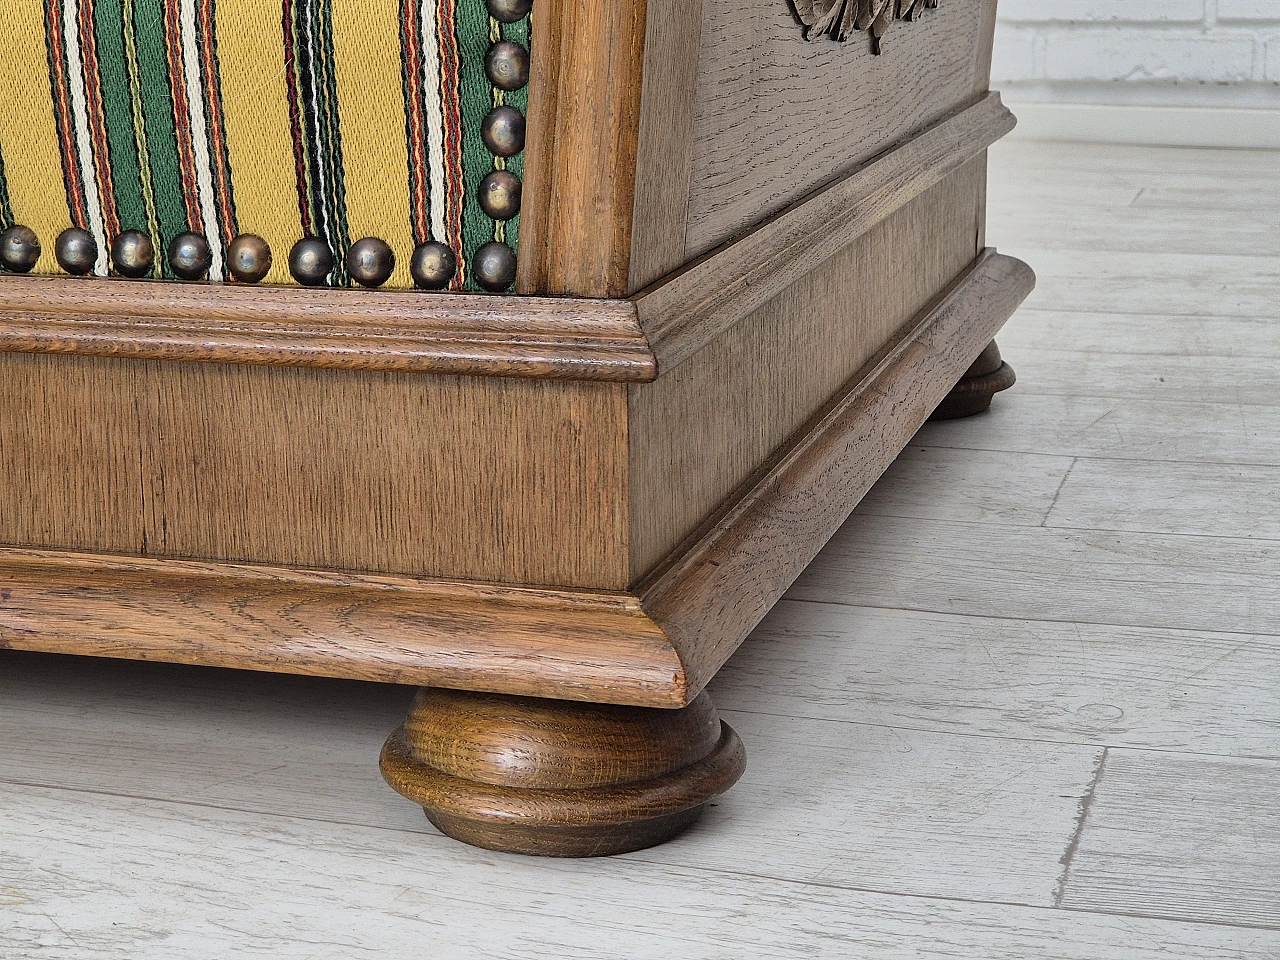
656, 644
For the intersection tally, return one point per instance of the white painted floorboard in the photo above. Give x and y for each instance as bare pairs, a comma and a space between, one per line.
1025, 705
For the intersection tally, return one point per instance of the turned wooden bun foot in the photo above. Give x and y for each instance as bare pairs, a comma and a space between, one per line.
986, 377
558, 778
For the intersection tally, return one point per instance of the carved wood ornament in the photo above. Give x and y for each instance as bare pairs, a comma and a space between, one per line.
841, 19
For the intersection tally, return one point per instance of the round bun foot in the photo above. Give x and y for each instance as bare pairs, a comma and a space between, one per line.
986, 377
556, 778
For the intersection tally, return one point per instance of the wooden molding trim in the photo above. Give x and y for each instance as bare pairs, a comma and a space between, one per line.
584, 119
576, 338
715, 590
686, 311
655, 646
447, 333
567, 644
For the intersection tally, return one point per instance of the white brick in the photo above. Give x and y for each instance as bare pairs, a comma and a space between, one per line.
1128, 54
1273, 59
1014, 57
1128, 11
1249, 10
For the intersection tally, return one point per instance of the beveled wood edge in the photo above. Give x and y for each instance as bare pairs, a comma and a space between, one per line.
655, 646
446, 333
685, 311
565, 644
716, 588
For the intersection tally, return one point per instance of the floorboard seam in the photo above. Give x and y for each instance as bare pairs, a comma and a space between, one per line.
1216, 631
1074, 844
1134, 748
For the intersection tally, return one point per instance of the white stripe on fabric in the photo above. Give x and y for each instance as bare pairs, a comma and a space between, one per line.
435, 117
200, 136
84, 145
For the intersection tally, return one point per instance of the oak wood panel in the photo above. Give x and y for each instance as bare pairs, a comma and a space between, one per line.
575, 645
492, 479
1191, 838
69, 474
704, 427
711, 596
778, 115
453, 333
693, 307
664, 152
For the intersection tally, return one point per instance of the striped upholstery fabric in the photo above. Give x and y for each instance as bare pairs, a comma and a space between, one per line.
338, 119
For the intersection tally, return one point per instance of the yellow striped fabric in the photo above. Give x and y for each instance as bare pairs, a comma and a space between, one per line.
288, 119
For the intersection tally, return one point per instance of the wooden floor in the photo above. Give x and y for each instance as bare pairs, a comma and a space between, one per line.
1026, 704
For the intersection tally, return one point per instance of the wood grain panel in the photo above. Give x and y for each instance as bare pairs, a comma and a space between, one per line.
701, 429
70, 474
664, 153
491, 479
778, 115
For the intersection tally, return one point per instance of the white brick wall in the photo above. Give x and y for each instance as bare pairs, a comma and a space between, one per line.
1055, 49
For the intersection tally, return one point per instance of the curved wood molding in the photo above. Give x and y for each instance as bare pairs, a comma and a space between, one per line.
575, 338
656, 645
687, 310
449, 333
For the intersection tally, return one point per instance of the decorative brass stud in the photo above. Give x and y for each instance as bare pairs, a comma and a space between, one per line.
370, 262
433, 265
508, 11
502, 131
500, 194
311, 261
248, 258
507, 65
494, 266
19, 248
190, 257
76, 250
132, 254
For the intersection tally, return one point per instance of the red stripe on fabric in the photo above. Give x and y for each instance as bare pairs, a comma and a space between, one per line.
451, 103
182, 113
97, 119
289, 18
215, 121
414, 68
61, 92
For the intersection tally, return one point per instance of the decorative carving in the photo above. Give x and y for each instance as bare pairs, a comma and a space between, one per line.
841, 19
